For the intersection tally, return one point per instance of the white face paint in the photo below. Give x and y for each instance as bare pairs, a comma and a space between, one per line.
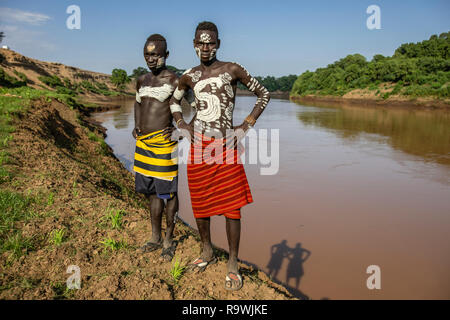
212, 54
160, 63
206, 38
197, 50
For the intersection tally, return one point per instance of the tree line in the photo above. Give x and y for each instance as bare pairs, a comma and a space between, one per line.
270, 83
415, 69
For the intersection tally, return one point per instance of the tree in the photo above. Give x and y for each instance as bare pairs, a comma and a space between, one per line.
179, 72
2, 35
119, 78
139, 71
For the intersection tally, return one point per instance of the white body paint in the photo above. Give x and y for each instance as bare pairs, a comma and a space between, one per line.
159, 93
178, 94
174, 107
213, 108
195, 76
252, 85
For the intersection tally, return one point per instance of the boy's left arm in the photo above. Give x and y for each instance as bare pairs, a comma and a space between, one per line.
259, 90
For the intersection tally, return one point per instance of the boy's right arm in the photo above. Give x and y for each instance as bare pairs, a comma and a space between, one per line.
175, 107
175, 102
137, 111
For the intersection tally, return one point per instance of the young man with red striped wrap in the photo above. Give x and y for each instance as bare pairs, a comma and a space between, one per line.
216, 178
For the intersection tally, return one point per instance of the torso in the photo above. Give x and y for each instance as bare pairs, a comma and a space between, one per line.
214, 91
155, 93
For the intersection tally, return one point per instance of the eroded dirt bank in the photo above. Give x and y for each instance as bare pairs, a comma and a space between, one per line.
59, 161
369, 101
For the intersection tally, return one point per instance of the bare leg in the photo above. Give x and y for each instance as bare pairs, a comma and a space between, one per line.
156, 208
171, 210
233, 227
203, 225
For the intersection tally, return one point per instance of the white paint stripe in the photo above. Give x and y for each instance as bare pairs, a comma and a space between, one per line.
178, 94
175, 108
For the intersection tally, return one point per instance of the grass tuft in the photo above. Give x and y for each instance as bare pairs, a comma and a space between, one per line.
177, 270
113, 245
57, 236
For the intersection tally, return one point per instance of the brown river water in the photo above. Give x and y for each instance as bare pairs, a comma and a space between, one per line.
355, 187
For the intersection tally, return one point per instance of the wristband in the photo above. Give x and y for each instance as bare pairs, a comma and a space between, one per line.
174, 107
179, 121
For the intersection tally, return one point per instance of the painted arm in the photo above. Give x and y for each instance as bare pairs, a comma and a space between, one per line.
175, 106
254, 86
137, 111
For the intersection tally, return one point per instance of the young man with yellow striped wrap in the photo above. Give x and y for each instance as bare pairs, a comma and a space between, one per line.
156, 157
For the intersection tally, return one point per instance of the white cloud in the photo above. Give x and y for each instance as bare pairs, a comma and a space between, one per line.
15, 15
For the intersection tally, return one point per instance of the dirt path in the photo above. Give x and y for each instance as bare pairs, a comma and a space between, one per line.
61, 162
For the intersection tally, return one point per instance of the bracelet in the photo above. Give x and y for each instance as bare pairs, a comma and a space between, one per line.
179, 121
250, 120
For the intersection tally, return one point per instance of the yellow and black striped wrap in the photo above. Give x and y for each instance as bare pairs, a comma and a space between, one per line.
156, 157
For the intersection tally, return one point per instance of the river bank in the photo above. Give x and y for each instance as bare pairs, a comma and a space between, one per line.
273, 94
62, 190
371, 101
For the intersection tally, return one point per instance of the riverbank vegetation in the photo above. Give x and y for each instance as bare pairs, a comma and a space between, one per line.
416, 70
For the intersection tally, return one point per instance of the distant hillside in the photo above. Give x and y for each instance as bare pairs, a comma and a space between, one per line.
415, 70
17, 70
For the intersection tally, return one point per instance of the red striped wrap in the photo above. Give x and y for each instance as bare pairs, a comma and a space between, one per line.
216, 188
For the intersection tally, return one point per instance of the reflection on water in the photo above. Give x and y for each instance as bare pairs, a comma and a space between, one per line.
356, 187
421, 133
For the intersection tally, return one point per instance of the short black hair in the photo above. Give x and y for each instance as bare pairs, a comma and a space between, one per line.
207, 25
156, 37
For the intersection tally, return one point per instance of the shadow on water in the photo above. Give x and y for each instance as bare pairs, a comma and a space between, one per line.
295, 257
420, 133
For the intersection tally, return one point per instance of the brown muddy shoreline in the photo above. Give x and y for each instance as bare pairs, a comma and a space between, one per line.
273, 94
327, 101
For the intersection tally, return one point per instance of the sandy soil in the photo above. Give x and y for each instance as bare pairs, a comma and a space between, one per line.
33, 69
51, 154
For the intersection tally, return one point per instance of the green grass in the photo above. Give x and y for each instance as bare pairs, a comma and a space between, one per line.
21, 76
114, 216
113, 245
56, 237
5, 175
61, 291
177, 270
15, 208
75, 191
102, 147
17, 245
51, 199
4, 158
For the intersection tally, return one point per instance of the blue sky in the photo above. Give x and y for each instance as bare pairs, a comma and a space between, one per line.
268, 38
